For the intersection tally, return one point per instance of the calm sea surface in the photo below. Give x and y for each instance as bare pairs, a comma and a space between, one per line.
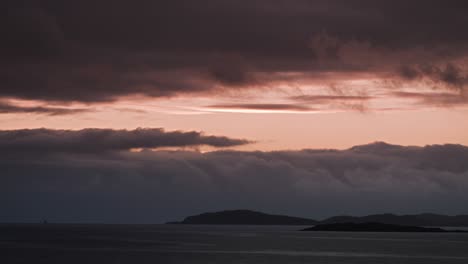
221, 244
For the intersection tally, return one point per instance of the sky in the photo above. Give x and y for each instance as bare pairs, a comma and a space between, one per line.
148, 111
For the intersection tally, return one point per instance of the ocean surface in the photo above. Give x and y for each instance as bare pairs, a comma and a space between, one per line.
51, 243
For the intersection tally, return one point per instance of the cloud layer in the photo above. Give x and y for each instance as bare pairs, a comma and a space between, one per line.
157, 186
7, 108
160, 49
105, 140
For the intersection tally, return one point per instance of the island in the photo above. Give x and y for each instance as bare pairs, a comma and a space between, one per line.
243, 217
376, 227
249, 217
409, 220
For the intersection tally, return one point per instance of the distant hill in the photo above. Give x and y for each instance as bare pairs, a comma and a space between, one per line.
375, 227
412, 220
248, 217
244, 217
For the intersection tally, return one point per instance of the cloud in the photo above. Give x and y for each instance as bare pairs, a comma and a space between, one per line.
32, 33
105, 140
338, 101
303, 103
331, 98
440, 99
263, 107
450, 75
157, 186
161, 49
7, 108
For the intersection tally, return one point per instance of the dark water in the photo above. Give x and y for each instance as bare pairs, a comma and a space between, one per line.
221, 244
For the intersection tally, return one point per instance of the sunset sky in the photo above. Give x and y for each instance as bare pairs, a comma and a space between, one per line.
99, 97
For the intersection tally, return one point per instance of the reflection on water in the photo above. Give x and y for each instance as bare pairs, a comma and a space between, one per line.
222, 244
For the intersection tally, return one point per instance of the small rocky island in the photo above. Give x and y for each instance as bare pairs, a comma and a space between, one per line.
376, 227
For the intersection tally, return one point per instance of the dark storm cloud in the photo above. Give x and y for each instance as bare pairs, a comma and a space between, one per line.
6, 108
156, 186
96, 51
104, 140
29, 33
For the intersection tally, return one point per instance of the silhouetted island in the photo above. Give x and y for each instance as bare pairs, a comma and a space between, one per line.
411, 220
375, 227
248, 217
244, 217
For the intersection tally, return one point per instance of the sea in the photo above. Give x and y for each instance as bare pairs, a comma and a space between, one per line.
187, 244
